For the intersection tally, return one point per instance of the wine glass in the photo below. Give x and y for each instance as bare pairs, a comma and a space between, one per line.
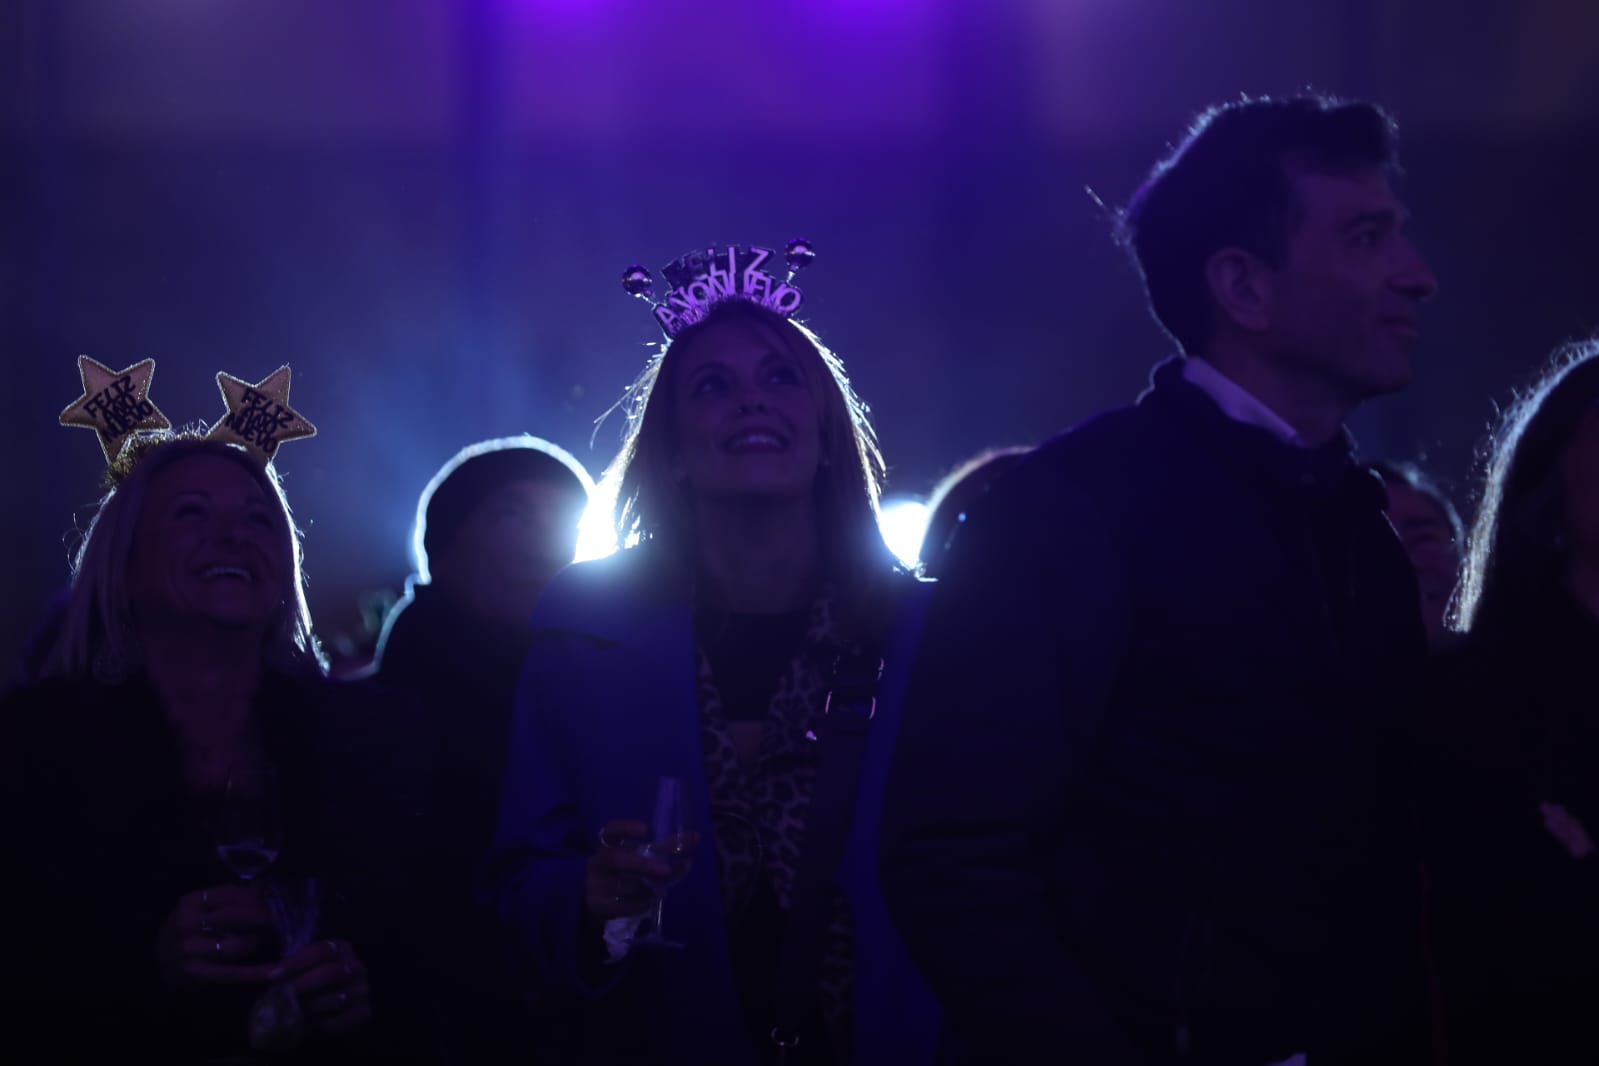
672, 843
248, 833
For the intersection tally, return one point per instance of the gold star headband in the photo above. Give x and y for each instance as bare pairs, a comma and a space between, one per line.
116, 405
259, 416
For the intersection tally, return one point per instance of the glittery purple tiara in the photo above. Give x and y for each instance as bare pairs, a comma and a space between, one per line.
700, 280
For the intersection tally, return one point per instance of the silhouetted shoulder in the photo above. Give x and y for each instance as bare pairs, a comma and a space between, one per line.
1122, 443
20, 703
365, 696
28, 714
53, 708
1078, 466
588, 597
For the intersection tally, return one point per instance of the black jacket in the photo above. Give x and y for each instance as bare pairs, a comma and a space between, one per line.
1149, 802
463, 672
102, 840
1515, 912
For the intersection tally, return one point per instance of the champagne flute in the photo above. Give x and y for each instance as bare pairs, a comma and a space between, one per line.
248, 833
672, 843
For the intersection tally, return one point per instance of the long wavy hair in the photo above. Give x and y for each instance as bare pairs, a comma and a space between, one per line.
99, 636
653, 506
1515, 559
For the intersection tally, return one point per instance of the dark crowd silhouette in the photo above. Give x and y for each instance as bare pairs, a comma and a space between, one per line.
1193, 737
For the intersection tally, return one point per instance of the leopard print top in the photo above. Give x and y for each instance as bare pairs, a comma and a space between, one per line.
765, 812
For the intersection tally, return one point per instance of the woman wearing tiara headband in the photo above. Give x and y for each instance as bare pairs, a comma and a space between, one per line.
204, 854
720, 662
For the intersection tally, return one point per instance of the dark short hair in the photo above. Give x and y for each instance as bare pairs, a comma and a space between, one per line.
1228, 184
478, 470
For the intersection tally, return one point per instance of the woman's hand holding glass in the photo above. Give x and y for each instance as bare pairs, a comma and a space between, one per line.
638, 863
222, 935
615, 886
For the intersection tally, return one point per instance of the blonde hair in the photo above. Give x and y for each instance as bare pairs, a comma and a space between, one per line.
652, 506
98, 638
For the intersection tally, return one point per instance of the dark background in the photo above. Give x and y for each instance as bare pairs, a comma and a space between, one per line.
424, 206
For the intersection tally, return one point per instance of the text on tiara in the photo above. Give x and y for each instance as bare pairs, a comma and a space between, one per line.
119, 407
701, 280
259, 420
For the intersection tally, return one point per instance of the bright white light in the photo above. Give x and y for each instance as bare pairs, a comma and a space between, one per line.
596, 530
903, 522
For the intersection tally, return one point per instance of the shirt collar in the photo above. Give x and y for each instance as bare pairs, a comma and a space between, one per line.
1236, 403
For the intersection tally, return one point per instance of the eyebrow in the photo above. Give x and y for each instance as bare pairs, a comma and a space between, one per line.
1386, 217
709, 364
766, 357
781, 356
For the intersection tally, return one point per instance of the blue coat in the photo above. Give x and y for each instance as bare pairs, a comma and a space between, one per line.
607, 704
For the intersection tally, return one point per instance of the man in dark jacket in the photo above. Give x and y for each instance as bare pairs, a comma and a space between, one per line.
495, 524
1148, 802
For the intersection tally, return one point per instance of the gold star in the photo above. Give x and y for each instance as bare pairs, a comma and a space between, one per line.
259, 416
115, 403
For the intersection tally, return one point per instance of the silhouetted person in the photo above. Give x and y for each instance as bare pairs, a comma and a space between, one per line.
955, 494
1149, 801
493, 526
1429, 527
1515, 806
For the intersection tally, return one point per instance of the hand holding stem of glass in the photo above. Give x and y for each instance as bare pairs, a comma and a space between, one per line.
672, 842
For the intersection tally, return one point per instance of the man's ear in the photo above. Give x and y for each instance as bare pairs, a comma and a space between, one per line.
1241, 285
